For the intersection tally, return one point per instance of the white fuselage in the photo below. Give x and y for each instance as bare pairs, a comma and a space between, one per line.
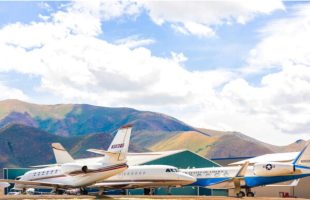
150, 176
210, 176
74, 179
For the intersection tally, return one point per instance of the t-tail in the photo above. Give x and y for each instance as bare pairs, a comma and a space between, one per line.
61, 154
118, 149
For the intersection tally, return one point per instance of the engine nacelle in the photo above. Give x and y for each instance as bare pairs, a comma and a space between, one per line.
273, 169
70, 168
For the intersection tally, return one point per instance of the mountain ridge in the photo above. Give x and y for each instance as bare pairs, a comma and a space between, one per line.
80, 119
82, 126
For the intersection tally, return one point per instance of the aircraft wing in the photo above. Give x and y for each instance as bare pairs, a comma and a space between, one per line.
293, 183
122, 184
35, 183
42, 166
227, 184
233, 182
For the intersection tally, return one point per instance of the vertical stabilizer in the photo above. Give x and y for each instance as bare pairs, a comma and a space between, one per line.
303, 158
118, 149
61, 154
120, 142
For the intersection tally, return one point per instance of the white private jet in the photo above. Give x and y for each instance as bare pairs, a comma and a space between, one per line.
143, 176
247, 177
70, 174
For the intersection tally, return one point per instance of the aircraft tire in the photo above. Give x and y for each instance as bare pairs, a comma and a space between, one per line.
250, 194
147, 191
240, 194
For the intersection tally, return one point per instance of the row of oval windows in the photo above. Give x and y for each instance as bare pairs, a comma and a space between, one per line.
46, 173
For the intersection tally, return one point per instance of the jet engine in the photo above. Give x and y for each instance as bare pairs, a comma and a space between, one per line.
273, 169
70, 168
74, 168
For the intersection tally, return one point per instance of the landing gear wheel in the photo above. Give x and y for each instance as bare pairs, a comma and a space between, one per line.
169, 191
83, 191
58, 192
147, 191
24, 191
240, 194
250, 194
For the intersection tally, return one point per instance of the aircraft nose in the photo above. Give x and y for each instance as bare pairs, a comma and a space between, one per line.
187, 178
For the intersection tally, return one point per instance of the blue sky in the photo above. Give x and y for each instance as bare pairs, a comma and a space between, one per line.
233, 42
203, 62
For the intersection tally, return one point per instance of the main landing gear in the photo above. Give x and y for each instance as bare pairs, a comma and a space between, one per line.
83, 191
240, 194
247, 192
149, 191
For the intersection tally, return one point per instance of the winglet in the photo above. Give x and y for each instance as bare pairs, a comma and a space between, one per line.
61, 154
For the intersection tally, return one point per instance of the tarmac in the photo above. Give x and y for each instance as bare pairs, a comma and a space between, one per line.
136, 197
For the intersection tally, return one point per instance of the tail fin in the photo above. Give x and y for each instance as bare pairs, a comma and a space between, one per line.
303, 158
118, 149
61, 154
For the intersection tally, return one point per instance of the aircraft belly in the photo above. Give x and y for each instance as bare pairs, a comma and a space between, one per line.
205, 182
253, 181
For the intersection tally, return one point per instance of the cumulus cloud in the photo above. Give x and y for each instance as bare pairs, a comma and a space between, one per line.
281, 99
135, 41
11, 93
199, 17
75, 65
285, 42
282, 96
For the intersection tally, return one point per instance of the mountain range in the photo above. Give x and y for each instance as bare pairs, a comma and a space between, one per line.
27, 130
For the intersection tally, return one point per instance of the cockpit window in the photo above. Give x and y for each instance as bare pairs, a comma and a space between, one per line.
172, 170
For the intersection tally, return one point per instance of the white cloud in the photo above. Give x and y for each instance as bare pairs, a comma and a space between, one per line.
193, 28
134, 41
76, 66
107, 10
285, 42
11, 93
198, 17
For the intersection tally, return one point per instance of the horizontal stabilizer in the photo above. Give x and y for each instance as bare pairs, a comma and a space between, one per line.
101, 152
118, 148
294, 183
43, 166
